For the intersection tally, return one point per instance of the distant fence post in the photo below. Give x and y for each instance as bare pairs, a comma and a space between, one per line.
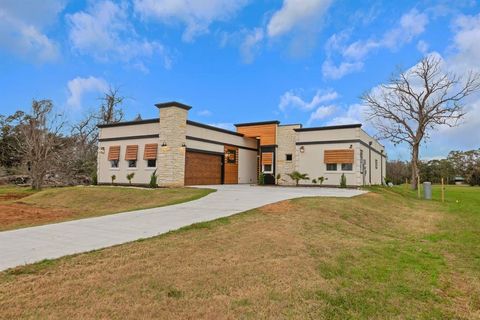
418, 187
443, 192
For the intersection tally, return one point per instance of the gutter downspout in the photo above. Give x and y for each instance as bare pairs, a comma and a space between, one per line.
370, 162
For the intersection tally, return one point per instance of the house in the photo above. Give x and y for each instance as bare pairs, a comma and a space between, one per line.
184, 152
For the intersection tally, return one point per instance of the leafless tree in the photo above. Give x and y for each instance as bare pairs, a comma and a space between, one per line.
40, 138
417, 101
109, 109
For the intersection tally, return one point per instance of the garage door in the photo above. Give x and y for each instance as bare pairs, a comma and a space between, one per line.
202, 168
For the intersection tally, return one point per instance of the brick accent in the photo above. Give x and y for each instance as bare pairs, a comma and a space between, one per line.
286, 139
171, 158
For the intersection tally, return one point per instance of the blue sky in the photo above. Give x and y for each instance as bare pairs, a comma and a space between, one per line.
298, 61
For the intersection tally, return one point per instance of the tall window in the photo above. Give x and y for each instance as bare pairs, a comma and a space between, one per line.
347, 167
331, 167
231, 156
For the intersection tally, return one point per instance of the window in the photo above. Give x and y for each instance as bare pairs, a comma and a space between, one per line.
376, 164
331, 167
347, 167
267, 168
152, 163
288, 157
113, 163
132, 163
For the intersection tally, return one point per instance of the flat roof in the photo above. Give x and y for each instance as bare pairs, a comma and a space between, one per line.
256, 123
173, 104
206, 126
343, 126
128, 123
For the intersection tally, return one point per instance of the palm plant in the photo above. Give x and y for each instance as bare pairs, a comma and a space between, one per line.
130, 177
113, 178
297, 176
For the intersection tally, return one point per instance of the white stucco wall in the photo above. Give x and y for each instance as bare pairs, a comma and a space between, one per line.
247, 166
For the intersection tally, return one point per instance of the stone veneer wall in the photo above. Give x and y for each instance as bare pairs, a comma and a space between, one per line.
171, 158
286, 139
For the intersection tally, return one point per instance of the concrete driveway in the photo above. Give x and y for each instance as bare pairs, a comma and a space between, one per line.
28, 245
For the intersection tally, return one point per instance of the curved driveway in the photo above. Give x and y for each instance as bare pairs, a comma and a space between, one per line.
28, 245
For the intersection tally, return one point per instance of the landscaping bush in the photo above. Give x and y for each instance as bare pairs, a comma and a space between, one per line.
297, 176
261, 179
130, 177
113, 179
343, 181
153, 180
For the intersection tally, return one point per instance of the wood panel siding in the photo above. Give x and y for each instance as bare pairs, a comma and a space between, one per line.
202, 168
132, 152
150, 152
114, 153
267, 158
230, 175
338, 156
266, 132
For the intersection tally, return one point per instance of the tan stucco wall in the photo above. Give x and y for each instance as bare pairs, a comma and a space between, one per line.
286, 139
129, 130
247, 166
226, 138
142, 173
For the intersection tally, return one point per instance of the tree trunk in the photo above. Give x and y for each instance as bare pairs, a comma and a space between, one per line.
415, 173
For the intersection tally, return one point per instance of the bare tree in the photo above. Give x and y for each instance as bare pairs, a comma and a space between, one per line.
40, 138
109, 109
417, 101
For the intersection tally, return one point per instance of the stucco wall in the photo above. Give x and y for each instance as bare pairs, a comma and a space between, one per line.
130, 130
142, 173
311, 161
247, 166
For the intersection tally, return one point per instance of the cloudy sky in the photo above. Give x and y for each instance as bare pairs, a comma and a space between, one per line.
298, 61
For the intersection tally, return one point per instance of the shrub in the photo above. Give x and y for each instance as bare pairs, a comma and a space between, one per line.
94, 179
278, 177
113, 178
320, 180
314, 181
297, 176
261, 179
153, 180
343, 181
130, 177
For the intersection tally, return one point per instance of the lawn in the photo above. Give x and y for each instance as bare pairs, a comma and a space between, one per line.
383, 255
22, 207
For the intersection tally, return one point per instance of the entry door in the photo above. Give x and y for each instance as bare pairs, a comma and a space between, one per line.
231, 165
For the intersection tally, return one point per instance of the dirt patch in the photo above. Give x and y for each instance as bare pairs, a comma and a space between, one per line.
18, 214
12, 196
279, 207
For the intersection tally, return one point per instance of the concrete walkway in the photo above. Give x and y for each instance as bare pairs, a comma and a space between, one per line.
28, 245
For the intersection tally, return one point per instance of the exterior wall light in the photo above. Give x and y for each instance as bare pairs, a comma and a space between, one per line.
184, 145
102, 150
164, 144
302, 149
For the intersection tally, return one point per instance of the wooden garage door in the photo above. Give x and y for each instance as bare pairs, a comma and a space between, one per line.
202, 168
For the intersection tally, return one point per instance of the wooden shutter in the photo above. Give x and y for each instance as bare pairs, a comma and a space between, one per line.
267, 157
114, 153
338, 156
150, 152
131, 153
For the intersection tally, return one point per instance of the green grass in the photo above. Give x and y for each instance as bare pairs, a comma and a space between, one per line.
68, 203
383, 255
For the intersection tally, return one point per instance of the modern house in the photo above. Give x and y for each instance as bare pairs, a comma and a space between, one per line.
184, 152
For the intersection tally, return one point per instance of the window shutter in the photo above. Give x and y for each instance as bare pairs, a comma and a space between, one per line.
338, 156
114, 153
131, 153
150, 152
267, 157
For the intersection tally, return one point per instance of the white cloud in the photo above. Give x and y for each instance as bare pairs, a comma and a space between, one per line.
322, 112
355, 113
467, 42
22, 28
291, 99
250, 44
422, 46
197, 16
296, 13
104, 31
78, 87
204, 113
411, 24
